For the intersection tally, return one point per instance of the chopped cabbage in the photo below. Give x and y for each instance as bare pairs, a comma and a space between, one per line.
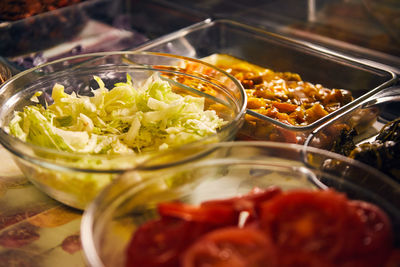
129, 118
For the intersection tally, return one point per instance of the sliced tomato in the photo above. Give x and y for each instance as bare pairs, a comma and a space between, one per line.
160, 242
245, 247
394, 259
371, 242
250, 202
221, 215
257, 196
221, 212
231, 247
329, 226
377, 228
302, 259
307, 222
288, 229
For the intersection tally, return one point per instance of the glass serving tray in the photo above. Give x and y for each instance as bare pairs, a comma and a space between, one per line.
314, 63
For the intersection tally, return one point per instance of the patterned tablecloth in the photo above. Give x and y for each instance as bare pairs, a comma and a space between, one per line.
35, 230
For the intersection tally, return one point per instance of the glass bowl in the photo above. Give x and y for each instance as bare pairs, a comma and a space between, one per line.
220, 170
62, 175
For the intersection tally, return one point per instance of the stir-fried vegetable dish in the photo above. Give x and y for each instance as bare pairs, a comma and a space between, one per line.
284, 96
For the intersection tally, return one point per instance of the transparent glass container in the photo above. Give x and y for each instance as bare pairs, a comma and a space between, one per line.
219, 171
61, 174
314, 63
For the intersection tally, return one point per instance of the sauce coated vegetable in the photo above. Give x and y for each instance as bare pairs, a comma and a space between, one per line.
381, 153
284, 96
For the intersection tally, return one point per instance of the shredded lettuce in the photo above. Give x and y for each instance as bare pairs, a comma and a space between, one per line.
129, 118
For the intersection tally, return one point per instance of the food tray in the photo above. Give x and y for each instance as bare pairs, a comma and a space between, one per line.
279, 53
340, 25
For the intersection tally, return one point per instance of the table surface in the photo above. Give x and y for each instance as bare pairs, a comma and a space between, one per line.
35, 230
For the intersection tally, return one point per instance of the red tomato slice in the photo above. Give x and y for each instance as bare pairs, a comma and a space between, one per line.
291, 229
257, 196
250, 202
221, 215
231, 247
308, 222
223, 212
394, 259
301, 259
159, 243
371, 242
377, 230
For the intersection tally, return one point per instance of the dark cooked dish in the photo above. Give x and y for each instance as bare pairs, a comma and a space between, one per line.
382, 153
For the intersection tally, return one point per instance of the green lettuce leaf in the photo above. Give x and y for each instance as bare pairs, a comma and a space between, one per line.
129, 118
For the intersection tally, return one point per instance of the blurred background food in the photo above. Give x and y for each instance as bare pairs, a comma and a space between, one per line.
366, 28
19, 9
5, 73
